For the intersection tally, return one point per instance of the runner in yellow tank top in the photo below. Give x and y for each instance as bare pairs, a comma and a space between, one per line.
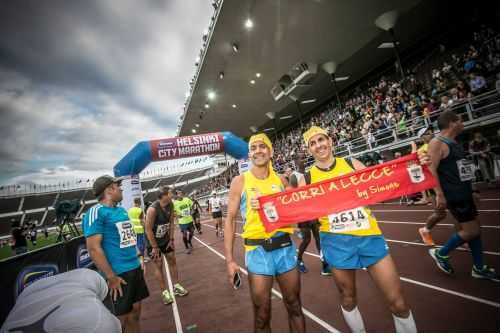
267, 255
352, 240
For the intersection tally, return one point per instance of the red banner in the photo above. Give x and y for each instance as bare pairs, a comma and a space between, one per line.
375, 184
186, 146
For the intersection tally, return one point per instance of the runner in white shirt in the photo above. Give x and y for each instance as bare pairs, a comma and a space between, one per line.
215, 207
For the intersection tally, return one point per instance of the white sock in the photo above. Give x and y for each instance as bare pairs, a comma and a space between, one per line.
354, 320
405, 325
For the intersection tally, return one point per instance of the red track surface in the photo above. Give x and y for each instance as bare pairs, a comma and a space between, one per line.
440, 303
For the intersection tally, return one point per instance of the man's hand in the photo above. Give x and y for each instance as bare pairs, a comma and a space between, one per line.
155, 253
440, 201
254, 203
424, 158
143, 265
232, 268
115, 286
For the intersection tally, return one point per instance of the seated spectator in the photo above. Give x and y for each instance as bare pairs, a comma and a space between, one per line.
477, 84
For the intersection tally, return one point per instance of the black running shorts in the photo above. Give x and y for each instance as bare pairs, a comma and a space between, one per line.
134, 291
217, 215
463, 211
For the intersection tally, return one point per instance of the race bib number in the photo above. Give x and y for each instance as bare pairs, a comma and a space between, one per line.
349, 220
161, 230
185, 212
127, 234
465, 170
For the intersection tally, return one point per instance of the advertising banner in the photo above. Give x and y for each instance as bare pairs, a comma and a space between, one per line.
375, 184
131, 187
186, 146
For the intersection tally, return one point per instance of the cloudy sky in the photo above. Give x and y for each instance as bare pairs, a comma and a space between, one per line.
82, 81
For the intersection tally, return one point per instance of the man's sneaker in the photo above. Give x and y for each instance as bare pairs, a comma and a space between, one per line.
166, 297
426, 236
442, 262
179, 290
189, 250
302, 267
325, 271
486, 273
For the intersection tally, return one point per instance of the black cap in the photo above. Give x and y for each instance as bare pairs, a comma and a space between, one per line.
102, 182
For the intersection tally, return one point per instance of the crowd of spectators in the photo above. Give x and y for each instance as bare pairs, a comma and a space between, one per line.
391, 109
220, 182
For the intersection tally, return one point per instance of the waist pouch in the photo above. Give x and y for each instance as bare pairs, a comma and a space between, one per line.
270, 244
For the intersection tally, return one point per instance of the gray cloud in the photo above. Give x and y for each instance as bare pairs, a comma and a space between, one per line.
82, 81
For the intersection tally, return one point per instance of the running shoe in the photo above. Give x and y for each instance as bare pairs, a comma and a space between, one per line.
166, 297
325, 271
487, 273
180, 290
426, 237
442, 262
189, 250
302, 267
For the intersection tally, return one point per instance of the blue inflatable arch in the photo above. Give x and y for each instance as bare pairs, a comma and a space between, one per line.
145, 152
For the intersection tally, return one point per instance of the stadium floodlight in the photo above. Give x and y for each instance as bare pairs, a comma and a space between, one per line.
233, 106
221, 75
197, 125
270, 115
386, 45
308, 101
235, 47
286, 117
211, 95
248, 23
193, 130
253, 129
206, 106
257, 75
268, 129
331, 68
387, 20
252, 81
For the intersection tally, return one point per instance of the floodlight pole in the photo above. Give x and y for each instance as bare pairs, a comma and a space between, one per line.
334, 80
396, 51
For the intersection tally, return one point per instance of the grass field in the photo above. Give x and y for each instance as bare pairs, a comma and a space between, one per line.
41, 241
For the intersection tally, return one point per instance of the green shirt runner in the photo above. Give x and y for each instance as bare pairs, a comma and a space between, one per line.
183, 210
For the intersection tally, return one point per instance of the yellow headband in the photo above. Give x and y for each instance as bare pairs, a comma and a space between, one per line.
314, 130
260, 137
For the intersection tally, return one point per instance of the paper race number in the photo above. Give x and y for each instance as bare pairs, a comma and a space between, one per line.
127, 234
349, 220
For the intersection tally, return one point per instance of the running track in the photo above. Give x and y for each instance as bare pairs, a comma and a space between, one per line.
440, 303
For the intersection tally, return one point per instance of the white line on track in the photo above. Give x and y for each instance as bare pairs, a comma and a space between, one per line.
422, 244
439, 224
307, 313
175, 309
447, 291
423, 210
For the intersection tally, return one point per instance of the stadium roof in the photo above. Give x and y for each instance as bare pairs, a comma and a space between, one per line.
285, 33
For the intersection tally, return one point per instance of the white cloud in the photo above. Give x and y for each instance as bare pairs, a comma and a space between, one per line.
105, 78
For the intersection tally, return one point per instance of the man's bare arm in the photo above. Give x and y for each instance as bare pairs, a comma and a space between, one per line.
232, 211
97, 254
150, 221
435, 152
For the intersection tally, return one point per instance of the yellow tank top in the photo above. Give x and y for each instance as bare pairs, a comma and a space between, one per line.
424, 148
134, 214
358, 221
253, 227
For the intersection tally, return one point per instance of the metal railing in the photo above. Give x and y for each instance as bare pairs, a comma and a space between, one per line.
474, 111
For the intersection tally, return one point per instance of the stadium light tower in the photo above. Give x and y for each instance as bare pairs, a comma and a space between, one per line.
387, 22
331, 68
